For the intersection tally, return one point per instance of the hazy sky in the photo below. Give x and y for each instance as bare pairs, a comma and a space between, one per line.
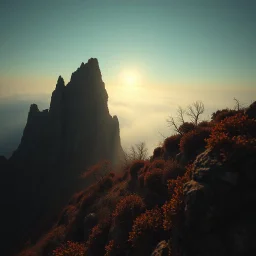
180, 51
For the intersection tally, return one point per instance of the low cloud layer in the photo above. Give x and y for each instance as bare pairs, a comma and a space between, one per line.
142, 111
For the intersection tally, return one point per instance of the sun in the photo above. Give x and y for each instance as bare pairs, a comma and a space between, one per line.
130, 78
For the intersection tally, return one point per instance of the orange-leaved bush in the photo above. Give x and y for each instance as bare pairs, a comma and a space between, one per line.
153, 180
220, 115
171, 144
192, 142
186, 127
70, 249
135, 168
158, 163
172, 209
112, 249
172, 170
128, 207
251, 110
158, 152
98, 238
146, 227
233, 133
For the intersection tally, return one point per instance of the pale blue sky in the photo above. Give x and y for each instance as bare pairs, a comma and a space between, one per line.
169, 40
184, 50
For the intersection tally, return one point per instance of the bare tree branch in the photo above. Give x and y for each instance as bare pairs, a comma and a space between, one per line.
195, 110
237, 104
171, 123
181, 112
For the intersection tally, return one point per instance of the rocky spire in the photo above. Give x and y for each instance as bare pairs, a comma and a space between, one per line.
60, 83
78, 127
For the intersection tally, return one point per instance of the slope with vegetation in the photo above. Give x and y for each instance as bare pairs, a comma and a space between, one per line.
194, 196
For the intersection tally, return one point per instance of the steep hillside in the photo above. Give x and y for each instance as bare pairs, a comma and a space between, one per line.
194, 196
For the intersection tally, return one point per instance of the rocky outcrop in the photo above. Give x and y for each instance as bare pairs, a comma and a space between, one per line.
218, 215
78, 130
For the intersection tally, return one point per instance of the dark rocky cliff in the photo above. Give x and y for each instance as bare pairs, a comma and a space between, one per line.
77, 130
56, 147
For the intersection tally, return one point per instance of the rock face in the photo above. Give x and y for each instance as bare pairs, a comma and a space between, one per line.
77, 130
56, 146
218, 216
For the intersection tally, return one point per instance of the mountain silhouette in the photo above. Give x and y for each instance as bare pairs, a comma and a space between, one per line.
56, 147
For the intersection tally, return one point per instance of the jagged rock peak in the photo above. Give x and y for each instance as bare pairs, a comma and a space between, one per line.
86, 70
93, 62
33, 109
60, 83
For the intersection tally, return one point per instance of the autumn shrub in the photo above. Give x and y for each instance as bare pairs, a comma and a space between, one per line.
192, 142
234, 135
98, 170
158, 163
220, 115
147, 230
173, 208
186, 127
50, 241
153, 180
171, 144
251, 110
128, 208
145, 168
98, 238
172, 170
70, 249
205, 124
158, 152
112, 249
135, 168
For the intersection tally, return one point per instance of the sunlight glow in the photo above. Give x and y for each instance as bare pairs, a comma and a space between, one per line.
130, 78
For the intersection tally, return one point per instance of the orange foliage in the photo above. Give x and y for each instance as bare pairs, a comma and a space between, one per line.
193, 141
172, 209
98, 238
97, 169
171, 144
128, 207
220, 115
111, 248
233, 133
145, 225
172, 170
70, 249
159, 163
153, 179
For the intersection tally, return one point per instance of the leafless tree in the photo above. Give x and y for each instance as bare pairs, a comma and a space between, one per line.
195, 110
137, 152
237, 104
181, 112
180, 119
172, 123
